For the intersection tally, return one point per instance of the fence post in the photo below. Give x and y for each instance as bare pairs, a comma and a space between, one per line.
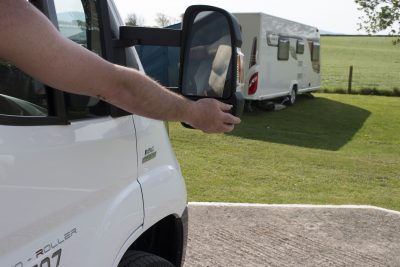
350, 79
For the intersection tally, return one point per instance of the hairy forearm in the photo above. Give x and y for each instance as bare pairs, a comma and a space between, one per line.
139, 94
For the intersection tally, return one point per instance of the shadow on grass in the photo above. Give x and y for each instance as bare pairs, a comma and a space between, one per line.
313, 123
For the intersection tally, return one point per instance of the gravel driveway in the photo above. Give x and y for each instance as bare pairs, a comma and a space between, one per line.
281, 235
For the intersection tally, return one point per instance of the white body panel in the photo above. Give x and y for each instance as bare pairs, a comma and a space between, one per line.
277, 78
80, 181
55, 179
164, 190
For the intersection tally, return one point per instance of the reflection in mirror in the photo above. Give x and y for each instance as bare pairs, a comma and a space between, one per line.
208, 70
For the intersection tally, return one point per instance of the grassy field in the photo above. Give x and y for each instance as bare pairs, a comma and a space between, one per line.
333, 149
376, 62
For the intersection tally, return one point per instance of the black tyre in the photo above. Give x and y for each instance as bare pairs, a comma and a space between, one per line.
292, 97
143, 259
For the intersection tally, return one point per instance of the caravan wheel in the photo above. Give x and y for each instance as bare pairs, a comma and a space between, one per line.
292, 97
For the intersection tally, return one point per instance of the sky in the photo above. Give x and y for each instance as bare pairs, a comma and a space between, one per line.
338, 16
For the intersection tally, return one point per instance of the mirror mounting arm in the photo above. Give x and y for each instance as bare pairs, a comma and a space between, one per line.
130, 36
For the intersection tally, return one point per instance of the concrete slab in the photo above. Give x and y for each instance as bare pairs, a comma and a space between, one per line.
292, 235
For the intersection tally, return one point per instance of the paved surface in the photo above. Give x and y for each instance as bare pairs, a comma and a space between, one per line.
292, 236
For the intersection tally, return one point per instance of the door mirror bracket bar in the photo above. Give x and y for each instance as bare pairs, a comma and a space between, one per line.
131, 35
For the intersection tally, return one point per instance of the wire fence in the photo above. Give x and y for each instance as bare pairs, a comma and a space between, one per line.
362, 78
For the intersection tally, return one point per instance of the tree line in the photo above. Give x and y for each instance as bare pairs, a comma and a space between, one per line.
162, 20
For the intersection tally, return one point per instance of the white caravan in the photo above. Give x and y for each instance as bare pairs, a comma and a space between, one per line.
83, 183
282, 58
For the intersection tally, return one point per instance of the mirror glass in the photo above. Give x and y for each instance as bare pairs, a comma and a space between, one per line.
208, 57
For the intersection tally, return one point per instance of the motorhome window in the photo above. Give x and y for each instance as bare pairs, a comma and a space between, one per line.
253, 56
300, 47
78, 21
20, 94
283, 49
315, 51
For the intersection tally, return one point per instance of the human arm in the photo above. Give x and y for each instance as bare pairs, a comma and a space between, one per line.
31, 42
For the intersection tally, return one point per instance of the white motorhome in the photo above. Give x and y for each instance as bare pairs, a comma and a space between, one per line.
83, 183
282, 57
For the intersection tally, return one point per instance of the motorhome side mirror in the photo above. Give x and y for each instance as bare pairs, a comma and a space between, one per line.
209, 65
210, 62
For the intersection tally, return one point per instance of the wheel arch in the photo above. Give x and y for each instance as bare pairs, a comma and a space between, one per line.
167, 239
294, 85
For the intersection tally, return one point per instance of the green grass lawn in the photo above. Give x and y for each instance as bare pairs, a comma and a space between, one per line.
333, 149
376, 62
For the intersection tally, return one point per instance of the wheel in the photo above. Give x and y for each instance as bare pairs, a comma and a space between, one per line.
143, 259
292, 97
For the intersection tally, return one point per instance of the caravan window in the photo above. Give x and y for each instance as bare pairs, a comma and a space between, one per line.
300, 47
315, 51
283, 49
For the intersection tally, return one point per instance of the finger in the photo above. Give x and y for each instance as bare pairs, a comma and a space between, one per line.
225, 107
230, 119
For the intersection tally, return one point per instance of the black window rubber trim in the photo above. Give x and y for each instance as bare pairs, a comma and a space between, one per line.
31, 120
